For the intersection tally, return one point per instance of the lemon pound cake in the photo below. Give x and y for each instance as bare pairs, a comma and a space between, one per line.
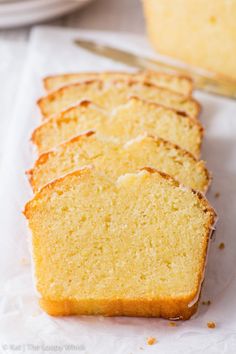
115, 159
133, 247
123, 123
199, 32
111, 94
176, 83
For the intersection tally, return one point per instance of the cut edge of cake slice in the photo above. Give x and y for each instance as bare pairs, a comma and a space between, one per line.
167, 306
98, 90
178, 83
191, 129
114, 159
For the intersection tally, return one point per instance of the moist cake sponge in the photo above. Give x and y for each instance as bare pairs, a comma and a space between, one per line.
124, 123
181, 84
111, 94
115, 159
134, 247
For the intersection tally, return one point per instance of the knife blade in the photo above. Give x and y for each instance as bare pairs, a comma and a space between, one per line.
203, 81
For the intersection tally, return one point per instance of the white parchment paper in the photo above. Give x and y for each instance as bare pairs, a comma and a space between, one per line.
23, 326
12, 55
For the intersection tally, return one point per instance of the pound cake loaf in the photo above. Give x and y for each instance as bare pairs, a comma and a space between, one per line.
175, 83
124, 123
199, 32
135, 246
115, 159
111, 94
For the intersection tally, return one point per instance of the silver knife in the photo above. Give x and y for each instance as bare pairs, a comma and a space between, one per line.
206, 82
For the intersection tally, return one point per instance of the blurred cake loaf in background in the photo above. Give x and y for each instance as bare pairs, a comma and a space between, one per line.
201, 33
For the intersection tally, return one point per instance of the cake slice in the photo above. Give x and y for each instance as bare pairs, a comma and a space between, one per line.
123, 123
115, 159
111, 94
181, 84
133, 247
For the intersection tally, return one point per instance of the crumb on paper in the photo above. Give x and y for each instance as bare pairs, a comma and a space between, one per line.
151, 341
208, 302
211, 324
172, 324
217, 194
221, 246
212, 237
24, 261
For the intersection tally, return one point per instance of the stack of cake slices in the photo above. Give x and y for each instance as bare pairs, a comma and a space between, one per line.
120, 224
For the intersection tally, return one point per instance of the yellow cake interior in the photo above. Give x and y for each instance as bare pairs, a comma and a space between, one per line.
125, 122
175, 83
115, 159
111, 94
120, 225
140, 238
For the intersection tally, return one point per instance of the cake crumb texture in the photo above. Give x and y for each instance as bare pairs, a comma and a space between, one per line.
124, 123
115, 159
177, 83
134, 247
111, 94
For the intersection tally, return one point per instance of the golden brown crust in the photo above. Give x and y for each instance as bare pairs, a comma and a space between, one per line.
158, 105
53, 94
43, 158
178, 75
192, 121
152, 170
166, 308
189, 155
114, 72
62, 117
176, 183
82, 172
78, 137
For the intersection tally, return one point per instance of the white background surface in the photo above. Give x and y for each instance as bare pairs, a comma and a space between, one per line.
12, 57
21, 320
